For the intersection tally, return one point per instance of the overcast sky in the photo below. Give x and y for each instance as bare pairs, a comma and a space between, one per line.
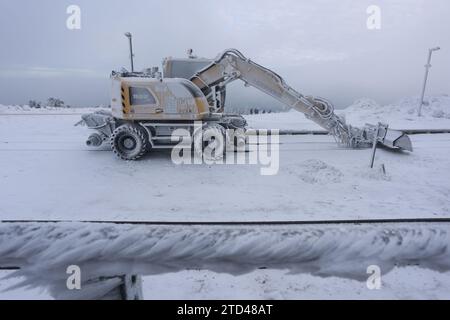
322, 48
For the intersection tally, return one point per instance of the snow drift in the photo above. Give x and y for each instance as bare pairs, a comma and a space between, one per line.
315, 171
401, 112
399, 115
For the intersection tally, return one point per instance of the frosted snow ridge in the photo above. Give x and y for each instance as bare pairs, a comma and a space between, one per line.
44, 251
434, 107
317, 171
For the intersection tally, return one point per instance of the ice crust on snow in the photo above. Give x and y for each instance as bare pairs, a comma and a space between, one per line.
316, 171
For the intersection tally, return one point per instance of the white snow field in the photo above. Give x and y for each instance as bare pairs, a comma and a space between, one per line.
47, 173
401, 283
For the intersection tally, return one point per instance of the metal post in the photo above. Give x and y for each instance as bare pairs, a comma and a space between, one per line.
427, 69
374, 146
129, 36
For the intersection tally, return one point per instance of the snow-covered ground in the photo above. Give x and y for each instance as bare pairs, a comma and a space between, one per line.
402, 283
47, 172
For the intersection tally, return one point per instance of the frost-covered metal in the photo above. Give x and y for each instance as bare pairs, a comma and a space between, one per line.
105, 250
231, 65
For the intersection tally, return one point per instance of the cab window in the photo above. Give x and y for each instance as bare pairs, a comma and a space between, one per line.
141, 96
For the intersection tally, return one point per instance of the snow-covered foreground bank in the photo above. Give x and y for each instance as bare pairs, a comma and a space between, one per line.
44, 250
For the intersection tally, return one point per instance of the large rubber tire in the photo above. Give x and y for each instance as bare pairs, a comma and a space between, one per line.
211, 135
129, 142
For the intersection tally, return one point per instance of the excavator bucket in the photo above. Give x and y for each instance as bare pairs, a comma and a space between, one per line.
393, 139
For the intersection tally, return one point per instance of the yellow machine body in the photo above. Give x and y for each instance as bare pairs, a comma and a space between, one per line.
140, 98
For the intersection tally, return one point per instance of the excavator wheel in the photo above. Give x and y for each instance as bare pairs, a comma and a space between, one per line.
210, 142
129, 142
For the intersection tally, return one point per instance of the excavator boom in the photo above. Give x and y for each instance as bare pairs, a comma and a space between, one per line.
231, 65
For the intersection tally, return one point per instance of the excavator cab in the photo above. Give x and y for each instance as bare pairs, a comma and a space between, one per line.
143, 98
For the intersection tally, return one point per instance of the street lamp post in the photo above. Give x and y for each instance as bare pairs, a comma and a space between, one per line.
427, 69
129, 36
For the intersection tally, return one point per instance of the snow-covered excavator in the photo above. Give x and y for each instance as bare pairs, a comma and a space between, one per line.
148, 107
